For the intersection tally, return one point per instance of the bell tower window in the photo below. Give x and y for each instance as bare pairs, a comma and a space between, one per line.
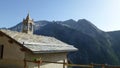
30, 27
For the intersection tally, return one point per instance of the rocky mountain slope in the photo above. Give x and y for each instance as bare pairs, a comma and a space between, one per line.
95, 45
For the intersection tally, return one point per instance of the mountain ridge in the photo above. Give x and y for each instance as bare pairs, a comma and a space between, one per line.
95, 45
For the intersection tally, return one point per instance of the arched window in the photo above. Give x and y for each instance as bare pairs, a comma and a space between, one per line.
25, 26
30, 26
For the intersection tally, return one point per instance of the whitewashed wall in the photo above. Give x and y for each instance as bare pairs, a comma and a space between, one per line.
55, 57
12, 55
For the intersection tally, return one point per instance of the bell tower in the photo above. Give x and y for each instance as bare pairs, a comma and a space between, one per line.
28, 25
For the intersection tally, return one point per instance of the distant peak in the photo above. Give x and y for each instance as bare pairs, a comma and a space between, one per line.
71, 20
83, 20
86, 23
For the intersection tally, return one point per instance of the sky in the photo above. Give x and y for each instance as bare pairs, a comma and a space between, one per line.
105, 14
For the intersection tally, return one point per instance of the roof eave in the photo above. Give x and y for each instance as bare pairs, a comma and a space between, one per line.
21, 45
54, 51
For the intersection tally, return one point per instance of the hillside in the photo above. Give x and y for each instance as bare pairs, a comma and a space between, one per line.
115, 38
95, 45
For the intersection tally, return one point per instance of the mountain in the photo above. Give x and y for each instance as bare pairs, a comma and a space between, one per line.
95, 45
4, 28
37, 25
115, 38
84, 26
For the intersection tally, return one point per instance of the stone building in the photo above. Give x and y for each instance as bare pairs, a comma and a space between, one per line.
18, 48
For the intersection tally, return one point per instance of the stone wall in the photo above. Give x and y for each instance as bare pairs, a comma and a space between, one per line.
12, 55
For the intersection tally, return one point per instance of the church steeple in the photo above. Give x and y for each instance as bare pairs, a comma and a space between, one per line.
28, 25
28, 16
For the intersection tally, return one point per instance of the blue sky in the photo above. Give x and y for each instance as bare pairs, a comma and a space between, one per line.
105, 14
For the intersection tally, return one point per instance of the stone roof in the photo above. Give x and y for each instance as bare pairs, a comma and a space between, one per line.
39, 43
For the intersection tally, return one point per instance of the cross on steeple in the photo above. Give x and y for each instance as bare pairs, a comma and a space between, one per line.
28, 16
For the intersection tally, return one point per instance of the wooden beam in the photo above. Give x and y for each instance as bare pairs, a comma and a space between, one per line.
63, 63
39, 65
25, 63
78, 65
